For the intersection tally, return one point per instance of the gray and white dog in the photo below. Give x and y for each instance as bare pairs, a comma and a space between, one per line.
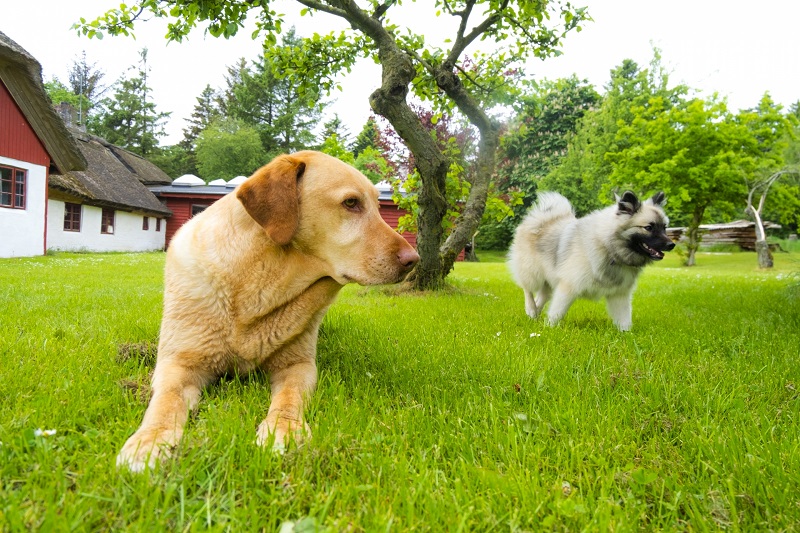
558, 257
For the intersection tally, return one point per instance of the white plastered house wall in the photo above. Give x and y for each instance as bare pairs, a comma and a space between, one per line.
22, 230
128, 234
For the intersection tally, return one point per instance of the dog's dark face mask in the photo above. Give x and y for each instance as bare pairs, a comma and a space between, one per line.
652, 241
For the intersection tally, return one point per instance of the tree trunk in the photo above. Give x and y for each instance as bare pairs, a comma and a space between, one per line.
693, 232
469, 251
470, 218
764, 254
389, 101
430, 234
762, 247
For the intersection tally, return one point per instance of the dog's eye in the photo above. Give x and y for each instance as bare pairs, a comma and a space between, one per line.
351, 204
649, 227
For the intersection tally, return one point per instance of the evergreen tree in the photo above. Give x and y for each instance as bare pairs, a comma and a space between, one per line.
130, 119
283, 114
87, 81
205, 112
368, 137
336, 127
234, 78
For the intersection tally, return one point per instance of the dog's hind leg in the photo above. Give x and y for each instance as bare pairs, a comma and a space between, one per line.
619, 308
543, 296
176, 391
531, 307
535, 304
562, 300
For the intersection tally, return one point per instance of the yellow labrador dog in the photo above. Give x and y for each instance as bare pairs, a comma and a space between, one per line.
247, 283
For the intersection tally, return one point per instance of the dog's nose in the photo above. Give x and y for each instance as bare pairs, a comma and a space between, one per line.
407, 257
670, 246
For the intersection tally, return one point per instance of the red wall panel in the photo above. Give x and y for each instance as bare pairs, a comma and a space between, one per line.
17, 138
391, 214
181, 212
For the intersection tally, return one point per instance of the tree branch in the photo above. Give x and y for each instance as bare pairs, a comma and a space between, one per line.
382, 9
321, 6
463, 41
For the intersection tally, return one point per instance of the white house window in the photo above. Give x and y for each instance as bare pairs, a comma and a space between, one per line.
12, 187
72, 217
158, 224
145, 223
107, 222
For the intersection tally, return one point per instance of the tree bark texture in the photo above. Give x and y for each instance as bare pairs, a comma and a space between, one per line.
489, 130
764, 254
389, 101
694, 235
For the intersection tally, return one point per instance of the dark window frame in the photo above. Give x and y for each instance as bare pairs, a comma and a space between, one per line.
10, 187
107, 221
198, 208
158, 224
72, 217
145, 223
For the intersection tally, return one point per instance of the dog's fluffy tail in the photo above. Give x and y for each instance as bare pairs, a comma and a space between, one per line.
549, 206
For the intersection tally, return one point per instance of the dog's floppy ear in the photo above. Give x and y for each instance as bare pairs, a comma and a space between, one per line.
658, 199
628, 204
270, 197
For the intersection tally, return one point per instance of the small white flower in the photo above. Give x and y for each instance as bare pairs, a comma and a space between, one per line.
536, 334
39, 432
498, 333
286, 527
369, 374
521, 416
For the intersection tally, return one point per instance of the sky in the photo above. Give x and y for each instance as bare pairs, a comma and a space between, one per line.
739, 50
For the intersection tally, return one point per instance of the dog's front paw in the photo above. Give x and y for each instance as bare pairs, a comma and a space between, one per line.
553, 321
281, 432
623, 326
143, 451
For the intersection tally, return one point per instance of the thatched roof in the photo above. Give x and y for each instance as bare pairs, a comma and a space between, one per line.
114, 178
22, 76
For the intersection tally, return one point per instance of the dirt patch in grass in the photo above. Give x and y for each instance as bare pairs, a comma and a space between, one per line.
144, 351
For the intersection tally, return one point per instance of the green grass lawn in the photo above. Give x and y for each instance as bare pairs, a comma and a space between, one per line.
441, 412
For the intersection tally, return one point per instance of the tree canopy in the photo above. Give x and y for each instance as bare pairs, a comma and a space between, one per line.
448, 76
229, 148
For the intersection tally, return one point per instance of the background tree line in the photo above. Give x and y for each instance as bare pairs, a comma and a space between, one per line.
647, 135
641, 133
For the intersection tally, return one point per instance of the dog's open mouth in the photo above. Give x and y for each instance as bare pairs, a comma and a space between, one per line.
652, 252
